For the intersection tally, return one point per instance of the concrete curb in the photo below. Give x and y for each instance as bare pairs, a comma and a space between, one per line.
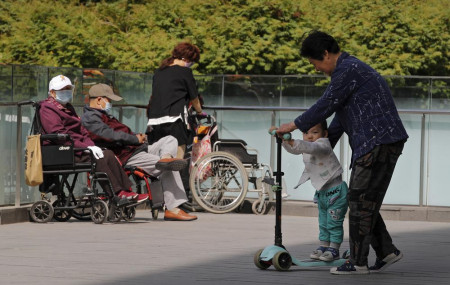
10, 215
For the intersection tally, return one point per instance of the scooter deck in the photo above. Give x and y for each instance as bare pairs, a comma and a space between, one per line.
269, 252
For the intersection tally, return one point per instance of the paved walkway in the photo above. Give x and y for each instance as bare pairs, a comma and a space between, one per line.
216, 249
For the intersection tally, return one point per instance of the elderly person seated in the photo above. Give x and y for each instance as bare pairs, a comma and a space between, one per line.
58, 116
157, 159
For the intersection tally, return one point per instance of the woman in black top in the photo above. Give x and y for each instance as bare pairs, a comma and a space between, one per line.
173, 89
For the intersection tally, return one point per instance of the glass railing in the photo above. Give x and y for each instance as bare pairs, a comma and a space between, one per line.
245, 107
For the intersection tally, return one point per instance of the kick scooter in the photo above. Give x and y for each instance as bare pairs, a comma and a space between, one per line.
276, 254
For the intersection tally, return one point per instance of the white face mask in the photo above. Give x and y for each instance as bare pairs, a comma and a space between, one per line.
188, 64
108, 106
64, 96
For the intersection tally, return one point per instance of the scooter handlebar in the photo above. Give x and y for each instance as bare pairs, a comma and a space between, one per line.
286, 136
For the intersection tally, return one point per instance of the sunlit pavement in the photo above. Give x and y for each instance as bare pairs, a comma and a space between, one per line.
215, 249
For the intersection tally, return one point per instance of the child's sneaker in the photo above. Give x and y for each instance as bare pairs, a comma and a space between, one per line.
317, 252
348, 268
330, 254
381, 265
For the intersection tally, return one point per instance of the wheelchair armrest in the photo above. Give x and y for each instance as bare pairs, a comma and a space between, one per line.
91, 154
57, 137
141, 173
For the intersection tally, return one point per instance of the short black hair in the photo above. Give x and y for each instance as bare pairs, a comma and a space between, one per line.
324, 125
316, 43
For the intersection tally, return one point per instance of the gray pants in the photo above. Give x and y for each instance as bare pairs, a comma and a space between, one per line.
174, 193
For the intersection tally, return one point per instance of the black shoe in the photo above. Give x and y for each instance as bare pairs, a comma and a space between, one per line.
381, 265
119, 202
349, 269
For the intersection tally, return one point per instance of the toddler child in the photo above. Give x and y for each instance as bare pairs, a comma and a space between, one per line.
325, 172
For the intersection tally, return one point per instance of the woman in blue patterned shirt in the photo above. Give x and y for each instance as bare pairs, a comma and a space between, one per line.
364, 109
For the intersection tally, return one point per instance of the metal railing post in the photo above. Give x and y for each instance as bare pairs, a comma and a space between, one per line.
18, 156
422, 161
272, 143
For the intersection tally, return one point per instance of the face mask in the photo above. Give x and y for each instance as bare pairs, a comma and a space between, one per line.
64, 96
108, 106
188, 64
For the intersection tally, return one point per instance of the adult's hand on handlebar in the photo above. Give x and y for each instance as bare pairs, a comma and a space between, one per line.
285, 136
286, 128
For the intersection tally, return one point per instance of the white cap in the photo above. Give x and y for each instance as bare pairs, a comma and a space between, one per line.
59, 82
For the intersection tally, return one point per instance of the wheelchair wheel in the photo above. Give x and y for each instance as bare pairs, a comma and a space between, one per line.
129, 213
219, 182
61, 215
259, 207
192, 206
115, 214
83, 211
82, 214
41, 211
99, 212
155, 213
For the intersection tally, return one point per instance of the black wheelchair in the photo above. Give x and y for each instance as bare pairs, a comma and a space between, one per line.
58, 164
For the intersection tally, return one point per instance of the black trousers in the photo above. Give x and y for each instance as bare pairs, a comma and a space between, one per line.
176, 129
369, 181
111, 166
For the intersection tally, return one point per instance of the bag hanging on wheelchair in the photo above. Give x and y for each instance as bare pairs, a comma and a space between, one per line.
33, 161
199, 150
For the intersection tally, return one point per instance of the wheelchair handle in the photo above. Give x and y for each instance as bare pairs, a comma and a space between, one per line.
26, 102
286, 136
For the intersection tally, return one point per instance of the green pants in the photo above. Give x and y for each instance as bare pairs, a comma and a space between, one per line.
332, 204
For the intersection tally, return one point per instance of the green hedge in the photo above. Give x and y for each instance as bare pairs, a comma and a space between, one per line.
396, 37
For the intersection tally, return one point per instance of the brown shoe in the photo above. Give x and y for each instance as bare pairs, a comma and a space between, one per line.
172, 164
180, 216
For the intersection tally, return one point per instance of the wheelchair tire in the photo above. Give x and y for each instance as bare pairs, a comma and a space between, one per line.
219, 182
259, 207
155, 213
99, 212
83, 210
192, 206
82, 213
115, 214
129, 213
41, 211
61, 215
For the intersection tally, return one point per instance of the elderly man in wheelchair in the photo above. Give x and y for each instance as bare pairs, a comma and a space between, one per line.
57, 116
157, 160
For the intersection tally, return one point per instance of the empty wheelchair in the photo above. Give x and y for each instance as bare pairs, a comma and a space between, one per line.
220, 180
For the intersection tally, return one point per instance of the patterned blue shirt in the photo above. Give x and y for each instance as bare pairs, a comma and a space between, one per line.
363, 106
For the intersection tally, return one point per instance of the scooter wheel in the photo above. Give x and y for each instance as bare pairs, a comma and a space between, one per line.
282, 261
258, 262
